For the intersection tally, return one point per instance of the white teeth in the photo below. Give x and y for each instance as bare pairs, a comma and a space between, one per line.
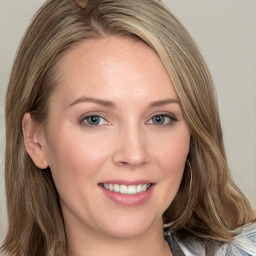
139, 188
116, 188
144, 187
132, 190
123, 189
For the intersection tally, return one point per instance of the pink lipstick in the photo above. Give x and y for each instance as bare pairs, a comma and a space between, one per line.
127, 193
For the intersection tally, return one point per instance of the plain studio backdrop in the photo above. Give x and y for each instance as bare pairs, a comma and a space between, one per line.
225, 31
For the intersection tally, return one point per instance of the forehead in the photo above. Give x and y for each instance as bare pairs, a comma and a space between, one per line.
112, 65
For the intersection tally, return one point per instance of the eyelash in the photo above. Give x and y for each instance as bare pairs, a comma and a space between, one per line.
172, 120
82, 120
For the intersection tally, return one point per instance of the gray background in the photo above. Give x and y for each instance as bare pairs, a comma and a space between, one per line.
226, 34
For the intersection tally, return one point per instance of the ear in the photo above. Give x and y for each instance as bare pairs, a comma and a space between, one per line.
82, 3
32, 133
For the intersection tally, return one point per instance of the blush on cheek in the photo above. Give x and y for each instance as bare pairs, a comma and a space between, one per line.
173, 157
172, 164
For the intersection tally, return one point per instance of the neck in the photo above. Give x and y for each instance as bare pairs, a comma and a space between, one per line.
87, 243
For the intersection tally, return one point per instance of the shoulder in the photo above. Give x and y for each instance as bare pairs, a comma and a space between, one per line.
244, 244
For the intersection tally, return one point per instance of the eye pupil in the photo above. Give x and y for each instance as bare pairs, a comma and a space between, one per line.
93, 120
158, 119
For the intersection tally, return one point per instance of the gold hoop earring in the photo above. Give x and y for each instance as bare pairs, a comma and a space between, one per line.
191, 177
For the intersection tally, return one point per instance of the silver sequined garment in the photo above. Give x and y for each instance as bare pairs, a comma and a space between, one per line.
244, 244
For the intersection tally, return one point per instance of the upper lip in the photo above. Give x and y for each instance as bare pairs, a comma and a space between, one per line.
127, 182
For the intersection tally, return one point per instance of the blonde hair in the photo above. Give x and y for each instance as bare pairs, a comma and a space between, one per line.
212, 209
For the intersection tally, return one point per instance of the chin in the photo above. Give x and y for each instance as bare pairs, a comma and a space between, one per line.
131, 226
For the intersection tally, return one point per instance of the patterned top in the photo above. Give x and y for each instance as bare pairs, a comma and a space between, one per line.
244, 244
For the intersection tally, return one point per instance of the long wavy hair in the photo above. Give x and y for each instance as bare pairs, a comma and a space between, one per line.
207, 205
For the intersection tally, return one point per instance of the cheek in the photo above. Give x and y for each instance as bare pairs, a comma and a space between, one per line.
171, 160
74, 159
172, 153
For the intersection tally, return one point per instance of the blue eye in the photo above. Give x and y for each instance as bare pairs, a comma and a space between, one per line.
162, 120
94, 120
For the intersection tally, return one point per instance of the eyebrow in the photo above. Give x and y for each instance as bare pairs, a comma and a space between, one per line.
108, 103
93, 100
160, 103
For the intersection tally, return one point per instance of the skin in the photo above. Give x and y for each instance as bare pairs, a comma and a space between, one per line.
127, 144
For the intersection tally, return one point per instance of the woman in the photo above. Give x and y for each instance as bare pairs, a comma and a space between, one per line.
112, 131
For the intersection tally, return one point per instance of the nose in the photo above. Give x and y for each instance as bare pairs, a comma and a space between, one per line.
131, 150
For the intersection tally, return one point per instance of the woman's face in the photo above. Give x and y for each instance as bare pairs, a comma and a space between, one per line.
114, 122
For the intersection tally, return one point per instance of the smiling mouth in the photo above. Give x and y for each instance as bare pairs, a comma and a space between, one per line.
126, 190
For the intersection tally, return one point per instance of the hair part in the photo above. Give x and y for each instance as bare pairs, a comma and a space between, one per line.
212, 209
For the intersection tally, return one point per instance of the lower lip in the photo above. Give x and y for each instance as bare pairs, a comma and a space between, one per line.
129, 200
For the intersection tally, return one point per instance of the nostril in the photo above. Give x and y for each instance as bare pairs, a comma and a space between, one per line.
123, 163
